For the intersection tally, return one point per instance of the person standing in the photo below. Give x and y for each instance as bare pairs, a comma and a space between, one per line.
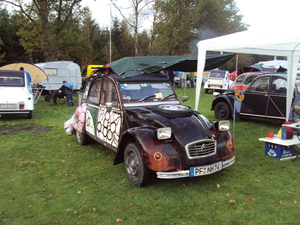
171, 77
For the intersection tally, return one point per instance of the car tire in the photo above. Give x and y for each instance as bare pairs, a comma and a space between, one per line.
29, 115
82, 137
222, 111
174, 110
137, 172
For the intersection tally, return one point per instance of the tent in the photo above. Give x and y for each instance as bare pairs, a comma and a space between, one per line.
275, 64
36, 73
286, 43
133, 66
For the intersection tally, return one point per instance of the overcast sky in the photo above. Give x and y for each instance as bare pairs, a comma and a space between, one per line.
259, 14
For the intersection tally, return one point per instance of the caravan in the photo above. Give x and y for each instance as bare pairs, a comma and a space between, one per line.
57, 71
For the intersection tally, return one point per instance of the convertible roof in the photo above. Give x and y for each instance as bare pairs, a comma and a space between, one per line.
134, 66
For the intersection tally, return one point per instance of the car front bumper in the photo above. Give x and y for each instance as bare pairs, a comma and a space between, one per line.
186, 173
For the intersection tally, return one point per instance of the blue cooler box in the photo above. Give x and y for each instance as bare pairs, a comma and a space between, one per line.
278, 151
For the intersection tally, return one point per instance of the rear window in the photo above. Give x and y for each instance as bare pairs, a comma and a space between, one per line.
11, 81
217, 74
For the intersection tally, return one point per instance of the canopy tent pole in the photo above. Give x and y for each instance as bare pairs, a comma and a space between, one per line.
200, 70
293, 62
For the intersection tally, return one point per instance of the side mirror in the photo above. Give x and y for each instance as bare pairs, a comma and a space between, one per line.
108, 106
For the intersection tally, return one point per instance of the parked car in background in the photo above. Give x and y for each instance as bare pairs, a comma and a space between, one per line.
244, 80
15, 93
218, 80
265, 97
142, 120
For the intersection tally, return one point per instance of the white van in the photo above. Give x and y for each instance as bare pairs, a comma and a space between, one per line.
15, 93
218, 80
57, 71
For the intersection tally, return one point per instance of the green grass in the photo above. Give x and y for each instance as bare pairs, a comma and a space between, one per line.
47, 178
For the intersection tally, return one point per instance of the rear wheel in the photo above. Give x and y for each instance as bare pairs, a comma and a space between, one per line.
137, 172
82, 137
29, 115
222, 111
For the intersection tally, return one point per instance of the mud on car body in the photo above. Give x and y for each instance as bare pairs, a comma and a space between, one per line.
142, 120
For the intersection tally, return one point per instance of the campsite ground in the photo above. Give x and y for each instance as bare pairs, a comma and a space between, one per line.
47, 178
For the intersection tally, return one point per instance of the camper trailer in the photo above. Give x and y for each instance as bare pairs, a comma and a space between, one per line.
57, 71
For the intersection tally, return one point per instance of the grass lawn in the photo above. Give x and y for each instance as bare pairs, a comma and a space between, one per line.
47, 178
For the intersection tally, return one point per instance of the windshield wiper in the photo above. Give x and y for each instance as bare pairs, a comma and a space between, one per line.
168, 96
150, 96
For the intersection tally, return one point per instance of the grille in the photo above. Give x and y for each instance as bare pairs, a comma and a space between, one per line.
201, 149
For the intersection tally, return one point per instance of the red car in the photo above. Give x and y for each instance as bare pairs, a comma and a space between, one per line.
244, 80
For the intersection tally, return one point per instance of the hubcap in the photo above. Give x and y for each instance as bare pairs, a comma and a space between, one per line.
132, 165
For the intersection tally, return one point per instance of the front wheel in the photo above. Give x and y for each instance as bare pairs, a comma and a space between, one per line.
222, 111
137, 172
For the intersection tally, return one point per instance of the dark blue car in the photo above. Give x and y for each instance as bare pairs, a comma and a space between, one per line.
264, 98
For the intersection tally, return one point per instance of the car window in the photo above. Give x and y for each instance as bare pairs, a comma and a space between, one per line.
249, 79
240, 79
137, 91
109, 93
94, 92
278, 86
217, 74
260, 85
11, 81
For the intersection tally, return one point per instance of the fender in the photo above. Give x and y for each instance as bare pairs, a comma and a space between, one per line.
148, 144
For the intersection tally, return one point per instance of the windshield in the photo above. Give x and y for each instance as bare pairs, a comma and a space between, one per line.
143, 91
6, 81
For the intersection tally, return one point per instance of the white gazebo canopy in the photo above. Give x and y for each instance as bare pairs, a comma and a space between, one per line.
283, 42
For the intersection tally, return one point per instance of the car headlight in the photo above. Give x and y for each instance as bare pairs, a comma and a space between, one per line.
223, 125
163, 133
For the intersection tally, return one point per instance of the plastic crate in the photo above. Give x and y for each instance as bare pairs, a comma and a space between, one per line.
278, 151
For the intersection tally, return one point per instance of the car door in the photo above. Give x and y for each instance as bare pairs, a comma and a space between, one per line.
103, 117
256, 97
277, 98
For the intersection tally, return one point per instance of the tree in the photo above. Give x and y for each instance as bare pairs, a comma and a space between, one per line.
11, 49
179, 23
45, 23
88, 30
122, 40
141, 8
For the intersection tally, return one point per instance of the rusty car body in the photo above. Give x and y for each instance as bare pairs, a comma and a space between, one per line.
142, 120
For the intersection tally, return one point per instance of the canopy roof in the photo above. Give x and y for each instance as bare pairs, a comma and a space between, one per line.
133, 66
286, 43
36, 73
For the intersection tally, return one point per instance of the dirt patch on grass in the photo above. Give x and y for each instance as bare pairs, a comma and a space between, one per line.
17, 128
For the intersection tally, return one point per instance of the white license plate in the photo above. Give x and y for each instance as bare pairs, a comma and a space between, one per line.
205, 170
8, 106
214, 87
